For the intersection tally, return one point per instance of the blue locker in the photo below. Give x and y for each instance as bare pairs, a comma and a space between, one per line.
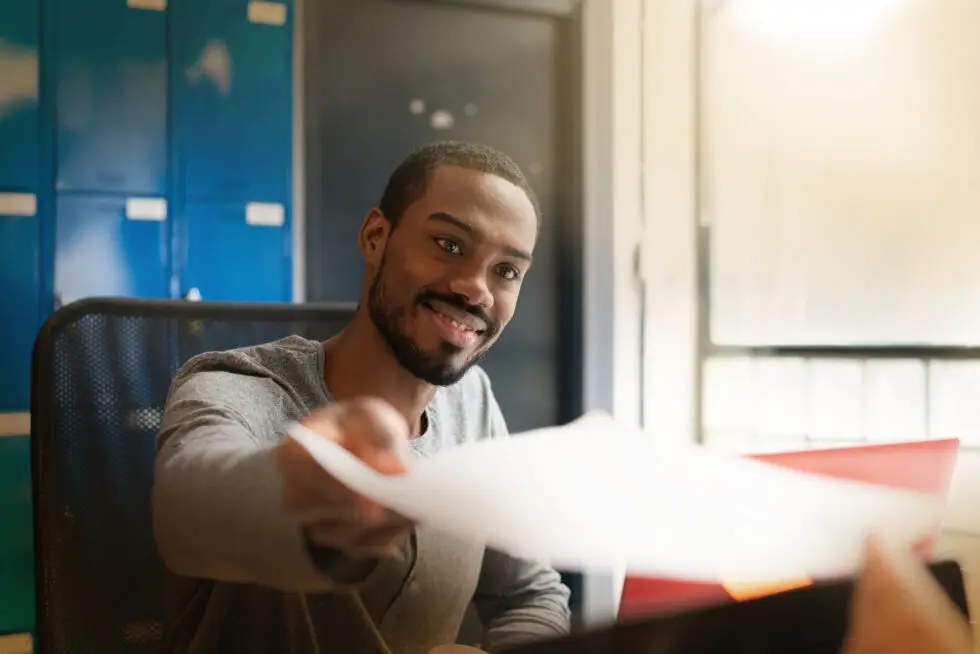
16, 536
19, 288
233, 99
228, 259
19, 123
111, 96
103, 247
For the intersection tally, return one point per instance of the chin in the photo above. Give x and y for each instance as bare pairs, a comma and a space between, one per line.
445, 371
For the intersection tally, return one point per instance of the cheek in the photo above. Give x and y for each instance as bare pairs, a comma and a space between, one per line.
399, 280
505, 303
502, 315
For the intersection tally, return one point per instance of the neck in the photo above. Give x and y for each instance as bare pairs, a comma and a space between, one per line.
358, 363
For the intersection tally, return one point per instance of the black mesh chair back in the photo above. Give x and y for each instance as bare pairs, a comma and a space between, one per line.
101, 372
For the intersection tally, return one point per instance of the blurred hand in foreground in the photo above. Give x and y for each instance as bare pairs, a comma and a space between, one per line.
899, 608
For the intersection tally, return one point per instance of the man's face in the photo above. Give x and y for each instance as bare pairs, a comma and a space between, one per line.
450, 273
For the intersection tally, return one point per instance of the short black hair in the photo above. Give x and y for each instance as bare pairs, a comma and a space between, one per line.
410, 180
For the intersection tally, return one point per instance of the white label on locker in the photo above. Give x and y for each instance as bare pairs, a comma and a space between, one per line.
266, 214
14, 424
18, 204
17, 644
152, 5
267, 13
146, 209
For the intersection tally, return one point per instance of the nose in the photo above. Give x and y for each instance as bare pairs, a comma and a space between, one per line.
473, 285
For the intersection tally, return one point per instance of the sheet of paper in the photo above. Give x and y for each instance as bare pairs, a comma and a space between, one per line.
595, 495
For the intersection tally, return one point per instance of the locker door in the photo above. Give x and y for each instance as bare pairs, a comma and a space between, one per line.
19, 280
238, 252
16, 537
111, 77
19, 129
19, 288
233, 105
110, 246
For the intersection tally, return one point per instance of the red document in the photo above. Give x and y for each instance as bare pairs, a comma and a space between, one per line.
924, 466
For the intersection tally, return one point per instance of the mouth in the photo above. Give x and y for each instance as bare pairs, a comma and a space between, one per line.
459, 333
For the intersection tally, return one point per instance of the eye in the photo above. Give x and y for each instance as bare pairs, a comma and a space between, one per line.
510, 273
449, 246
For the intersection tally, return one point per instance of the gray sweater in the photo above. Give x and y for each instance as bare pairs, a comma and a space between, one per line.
245, 578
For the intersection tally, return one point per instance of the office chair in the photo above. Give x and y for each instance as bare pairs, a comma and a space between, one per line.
101, 371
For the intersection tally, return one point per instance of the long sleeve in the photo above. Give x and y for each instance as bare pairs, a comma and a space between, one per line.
518, 600
217, 499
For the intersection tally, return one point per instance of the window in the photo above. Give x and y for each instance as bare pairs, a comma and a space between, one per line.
812, 184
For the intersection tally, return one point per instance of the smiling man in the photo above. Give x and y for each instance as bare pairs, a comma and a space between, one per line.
271, 553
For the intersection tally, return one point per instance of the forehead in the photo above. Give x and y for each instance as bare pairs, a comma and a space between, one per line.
494, 207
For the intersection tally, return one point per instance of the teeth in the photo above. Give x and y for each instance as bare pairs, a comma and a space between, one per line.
458, 326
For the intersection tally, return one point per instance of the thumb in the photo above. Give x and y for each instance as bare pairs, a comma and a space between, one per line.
376, 433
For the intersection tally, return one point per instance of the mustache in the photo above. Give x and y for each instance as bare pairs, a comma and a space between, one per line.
460, 302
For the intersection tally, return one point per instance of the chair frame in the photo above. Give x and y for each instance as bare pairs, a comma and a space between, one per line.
42, 371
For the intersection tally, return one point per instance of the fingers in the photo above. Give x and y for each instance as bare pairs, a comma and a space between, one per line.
336, 517
369, 428
898, 607
309, 488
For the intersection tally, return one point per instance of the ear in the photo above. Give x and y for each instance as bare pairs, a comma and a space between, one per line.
373, 237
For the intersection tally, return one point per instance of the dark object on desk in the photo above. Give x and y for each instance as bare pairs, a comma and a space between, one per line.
809, 620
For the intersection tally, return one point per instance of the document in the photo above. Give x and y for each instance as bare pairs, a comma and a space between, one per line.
595, 495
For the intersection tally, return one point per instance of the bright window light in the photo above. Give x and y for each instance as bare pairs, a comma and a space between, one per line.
814, 20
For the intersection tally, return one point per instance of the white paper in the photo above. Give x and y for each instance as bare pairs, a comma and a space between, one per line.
596, 495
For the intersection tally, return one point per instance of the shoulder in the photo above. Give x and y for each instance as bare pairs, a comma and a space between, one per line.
251, 376
278, 358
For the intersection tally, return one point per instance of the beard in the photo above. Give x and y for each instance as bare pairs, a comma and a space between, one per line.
437, 369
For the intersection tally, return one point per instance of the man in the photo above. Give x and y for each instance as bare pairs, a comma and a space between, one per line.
276, 556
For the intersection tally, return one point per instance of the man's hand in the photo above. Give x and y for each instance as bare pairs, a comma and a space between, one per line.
898, 608
376, 434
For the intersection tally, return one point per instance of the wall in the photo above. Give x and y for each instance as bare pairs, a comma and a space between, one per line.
146, 152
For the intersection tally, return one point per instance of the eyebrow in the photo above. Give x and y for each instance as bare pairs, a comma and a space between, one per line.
469, 229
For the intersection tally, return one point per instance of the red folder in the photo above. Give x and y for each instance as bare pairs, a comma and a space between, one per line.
924, 466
